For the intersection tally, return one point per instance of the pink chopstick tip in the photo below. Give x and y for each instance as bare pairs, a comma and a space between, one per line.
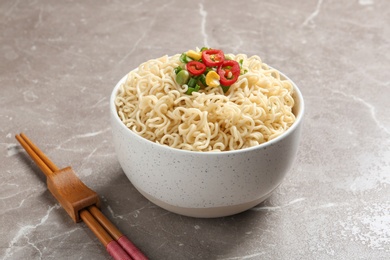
117, 252
131, 249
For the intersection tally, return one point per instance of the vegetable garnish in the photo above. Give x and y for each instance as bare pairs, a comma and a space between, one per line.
212, 79
194, 55
229, 72
182, 77
195, 67
207, 68
213, 57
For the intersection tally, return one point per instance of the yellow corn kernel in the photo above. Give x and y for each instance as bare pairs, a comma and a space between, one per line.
212, 79
194, 55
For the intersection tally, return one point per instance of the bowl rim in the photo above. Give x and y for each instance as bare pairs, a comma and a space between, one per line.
296, 124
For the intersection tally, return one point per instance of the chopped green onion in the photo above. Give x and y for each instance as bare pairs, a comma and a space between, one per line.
192, 82
208, 69
178, 69
202, 79
225, 88
242, 71
193, 89
184, 58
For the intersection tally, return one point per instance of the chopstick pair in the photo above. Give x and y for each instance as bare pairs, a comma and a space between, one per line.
81, 203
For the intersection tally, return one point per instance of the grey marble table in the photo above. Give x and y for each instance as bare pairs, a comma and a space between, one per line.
60, 60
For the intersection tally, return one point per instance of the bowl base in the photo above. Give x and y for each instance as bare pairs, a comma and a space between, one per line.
212, 212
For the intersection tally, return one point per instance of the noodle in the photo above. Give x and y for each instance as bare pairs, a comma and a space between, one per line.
257, 108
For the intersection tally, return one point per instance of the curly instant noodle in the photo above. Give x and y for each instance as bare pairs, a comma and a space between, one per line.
256, 109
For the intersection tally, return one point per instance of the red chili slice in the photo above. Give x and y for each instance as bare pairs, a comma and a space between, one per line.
196, 68
228, 71
213, 57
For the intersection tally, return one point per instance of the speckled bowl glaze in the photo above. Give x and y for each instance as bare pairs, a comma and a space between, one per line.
205, 184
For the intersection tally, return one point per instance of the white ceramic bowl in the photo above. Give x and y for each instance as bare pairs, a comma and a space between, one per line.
205, 184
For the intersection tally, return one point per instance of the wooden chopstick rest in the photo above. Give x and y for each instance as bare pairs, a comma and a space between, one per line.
80, 202
71, 193
66, 187
75, 197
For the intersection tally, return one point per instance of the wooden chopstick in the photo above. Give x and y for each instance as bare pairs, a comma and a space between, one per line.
46, 165
117, 244
122, 240
29, 149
